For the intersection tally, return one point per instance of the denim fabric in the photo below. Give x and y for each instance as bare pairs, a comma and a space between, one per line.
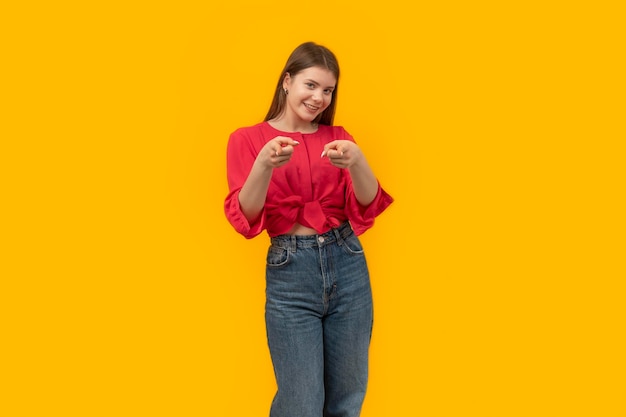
319, 323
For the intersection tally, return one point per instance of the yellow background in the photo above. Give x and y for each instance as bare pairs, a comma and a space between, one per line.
498, 272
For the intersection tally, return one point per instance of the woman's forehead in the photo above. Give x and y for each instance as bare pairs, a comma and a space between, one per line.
318, 74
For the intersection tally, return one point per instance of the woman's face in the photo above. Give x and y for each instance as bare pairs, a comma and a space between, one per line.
310, 92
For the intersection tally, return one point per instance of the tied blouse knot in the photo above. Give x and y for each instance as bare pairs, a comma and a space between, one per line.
308, 189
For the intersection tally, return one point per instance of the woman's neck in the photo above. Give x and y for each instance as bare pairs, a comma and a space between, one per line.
282, 123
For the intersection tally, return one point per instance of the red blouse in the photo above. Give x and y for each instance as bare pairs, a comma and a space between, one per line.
308, 189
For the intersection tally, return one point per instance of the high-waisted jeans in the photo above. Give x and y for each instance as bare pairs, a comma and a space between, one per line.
319, 323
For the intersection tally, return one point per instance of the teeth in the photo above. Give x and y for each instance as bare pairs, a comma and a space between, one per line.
310, 107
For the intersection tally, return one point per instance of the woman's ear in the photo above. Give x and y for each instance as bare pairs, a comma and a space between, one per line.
286, 81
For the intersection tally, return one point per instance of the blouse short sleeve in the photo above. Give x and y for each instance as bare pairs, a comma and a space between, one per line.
240, 156
362, 217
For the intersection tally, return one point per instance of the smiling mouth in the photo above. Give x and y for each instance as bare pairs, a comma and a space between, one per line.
313, 108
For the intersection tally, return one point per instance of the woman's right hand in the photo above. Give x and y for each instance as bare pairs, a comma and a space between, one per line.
277, 152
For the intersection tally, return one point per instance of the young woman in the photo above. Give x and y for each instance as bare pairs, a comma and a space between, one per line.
307, 183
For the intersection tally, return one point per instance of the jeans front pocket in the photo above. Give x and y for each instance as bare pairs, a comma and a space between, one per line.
352, 245
277, 256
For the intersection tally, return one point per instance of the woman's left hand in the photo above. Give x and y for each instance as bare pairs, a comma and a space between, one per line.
342, 153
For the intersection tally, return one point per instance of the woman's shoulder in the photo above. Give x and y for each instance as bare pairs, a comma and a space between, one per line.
256, 134
247, 130
337, 132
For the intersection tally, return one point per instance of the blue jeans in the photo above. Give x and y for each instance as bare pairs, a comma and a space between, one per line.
318, 315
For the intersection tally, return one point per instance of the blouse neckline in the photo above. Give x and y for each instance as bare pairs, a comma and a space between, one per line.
284, 132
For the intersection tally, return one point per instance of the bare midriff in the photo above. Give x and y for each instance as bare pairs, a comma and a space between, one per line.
301, 230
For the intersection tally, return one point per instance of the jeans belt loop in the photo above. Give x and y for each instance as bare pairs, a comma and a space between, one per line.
338, 236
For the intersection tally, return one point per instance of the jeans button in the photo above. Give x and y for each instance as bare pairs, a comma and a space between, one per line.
320, 239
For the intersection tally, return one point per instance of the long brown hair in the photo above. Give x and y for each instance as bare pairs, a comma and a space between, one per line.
306, 55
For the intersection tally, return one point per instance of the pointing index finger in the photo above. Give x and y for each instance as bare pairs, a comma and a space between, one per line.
284, 141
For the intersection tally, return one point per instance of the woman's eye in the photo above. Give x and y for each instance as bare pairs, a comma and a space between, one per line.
328, 92
310, 85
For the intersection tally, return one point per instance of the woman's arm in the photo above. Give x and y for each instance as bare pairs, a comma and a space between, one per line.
347, 154
277, 152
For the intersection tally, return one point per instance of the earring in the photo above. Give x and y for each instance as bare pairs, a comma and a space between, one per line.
286, 91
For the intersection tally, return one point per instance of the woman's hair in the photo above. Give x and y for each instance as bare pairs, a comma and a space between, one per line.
305, 56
